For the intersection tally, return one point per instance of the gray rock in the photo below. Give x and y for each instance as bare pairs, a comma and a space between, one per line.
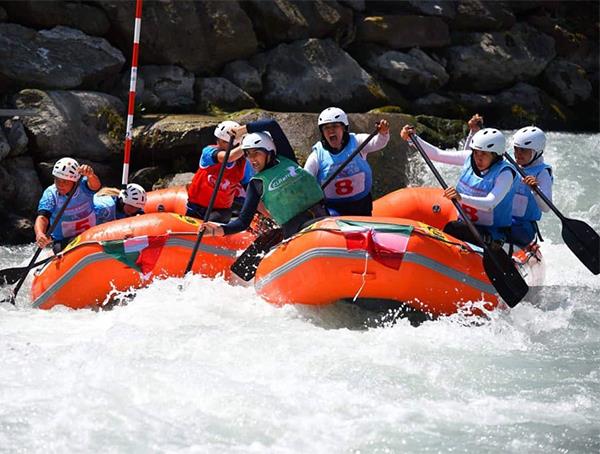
220, 94
491, 61
313, 74
292, 20
3, 15
16, 136
219, 32
356, 5
58, 58
244, 75
179, 179
27, 186
403, 32
147, 176
167, 88
73, 123
15, 229
567, 82
479, 15
520, 105
4, 145
434, 104
47, 14
414, 71
444, 8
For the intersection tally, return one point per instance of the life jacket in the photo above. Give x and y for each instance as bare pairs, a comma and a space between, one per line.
79, 214
203, 183
525, 207
479, 186
354, 182
288, 190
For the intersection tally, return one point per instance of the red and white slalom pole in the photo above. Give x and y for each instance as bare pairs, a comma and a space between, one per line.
132, 87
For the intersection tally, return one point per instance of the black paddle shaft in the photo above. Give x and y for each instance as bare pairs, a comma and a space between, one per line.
39, 249
497, 264
213, 197
581, 238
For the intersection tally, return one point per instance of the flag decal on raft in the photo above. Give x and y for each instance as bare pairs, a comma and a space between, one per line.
139, 253
385, 243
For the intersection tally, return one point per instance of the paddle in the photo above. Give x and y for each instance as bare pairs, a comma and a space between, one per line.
582, 239
498, 266
247, 263
12, 275
13, 296
210, 204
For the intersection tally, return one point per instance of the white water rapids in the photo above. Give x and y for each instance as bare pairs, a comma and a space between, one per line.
213, 368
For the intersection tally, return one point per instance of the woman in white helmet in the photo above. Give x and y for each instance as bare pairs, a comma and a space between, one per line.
529, 144
350, 192
203, 183
485, 188
79, 214
112, 203
291, 195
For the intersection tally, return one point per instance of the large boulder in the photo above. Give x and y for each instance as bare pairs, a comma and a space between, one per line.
16, 137
15, 229
22, 189
4, 145
414, 71
292, 20
73, 123
485, 62
518, 106
244, 75
217, 93
167, 89
58, 58
85, 17
567, 82
403, 32
479, 15
198, 36
313, 74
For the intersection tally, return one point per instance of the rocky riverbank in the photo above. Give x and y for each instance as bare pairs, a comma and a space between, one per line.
65, 65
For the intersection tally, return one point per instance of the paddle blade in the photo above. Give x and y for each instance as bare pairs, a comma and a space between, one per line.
12, 275
504, 276
584, 242
246, 264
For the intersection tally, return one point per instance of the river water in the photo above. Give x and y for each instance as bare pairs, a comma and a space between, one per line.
213, 368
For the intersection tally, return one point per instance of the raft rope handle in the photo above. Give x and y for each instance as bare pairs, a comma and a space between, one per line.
363, 276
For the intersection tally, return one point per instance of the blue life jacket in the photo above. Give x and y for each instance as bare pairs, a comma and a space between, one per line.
525, 207
79, 215
479, 186
353, 182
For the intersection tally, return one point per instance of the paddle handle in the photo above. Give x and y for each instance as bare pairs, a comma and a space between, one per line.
213, 197
331, 177
537, 190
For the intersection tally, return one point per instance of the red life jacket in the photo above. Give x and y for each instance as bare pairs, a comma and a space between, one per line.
203, 184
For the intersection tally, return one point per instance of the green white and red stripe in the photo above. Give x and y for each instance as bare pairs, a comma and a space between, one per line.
140, 253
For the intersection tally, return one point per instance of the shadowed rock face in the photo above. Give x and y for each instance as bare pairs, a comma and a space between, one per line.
198, 36
310, 75
58, 58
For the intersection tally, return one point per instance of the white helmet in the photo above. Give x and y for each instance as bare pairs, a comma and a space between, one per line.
134, 195
489, 139
67, 169
333, 115
222, 130
530, 137
258, 140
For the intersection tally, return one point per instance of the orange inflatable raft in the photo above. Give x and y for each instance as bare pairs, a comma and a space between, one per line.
393, 260
127, 254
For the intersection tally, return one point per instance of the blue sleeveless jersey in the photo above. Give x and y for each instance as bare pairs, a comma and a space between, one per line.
471, 184
79, 215
525, 207
352, 183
